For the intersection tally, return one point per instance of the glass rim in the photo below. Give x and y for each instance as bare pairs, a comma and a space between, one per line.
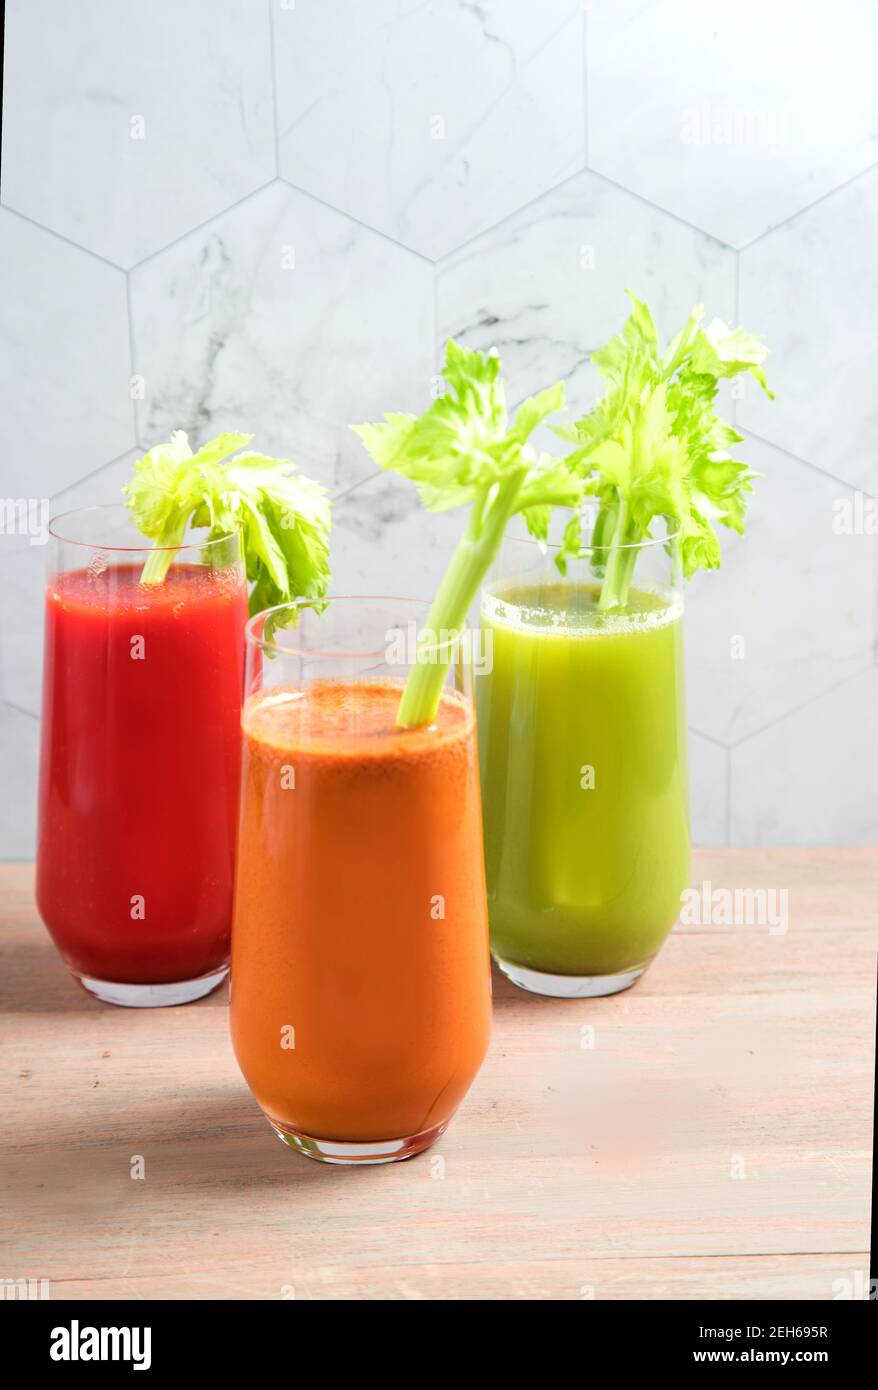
585, 550
312, 653
103, 508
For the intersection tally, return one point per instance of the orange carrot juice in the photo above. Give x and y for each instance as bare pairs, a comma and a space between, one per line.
360, 974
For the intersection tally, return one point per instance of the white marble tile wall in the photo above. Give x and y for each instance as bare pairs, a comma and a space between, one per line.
270, 213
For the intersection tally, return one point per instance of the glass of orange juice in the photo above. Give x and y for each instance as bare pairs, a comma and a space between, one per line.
361, 996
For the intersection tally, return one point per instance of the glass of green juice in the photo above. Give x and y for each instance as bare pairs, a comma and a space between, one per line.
582, 746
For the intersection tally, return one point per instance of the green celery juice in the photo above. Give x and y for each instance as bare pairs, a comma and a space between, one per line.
582, 742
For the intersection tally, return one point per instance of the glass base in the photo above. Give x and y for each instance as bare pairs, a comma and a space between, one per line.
569, 986
152, 996
353, 1153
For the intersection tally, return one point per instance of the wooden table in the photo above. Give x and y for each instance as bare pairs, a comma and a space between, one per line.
704, 1135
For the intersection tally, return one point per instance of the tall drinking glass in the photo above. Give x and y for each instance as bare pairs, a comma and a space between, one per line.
140, 764
361, 997
582, 734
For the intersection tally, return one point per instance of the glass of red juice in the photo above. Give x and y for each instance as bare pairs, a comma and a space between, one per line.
139, 772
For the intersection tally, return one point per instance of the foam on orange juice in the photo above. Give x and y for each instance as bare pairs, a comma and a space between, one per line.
360, 970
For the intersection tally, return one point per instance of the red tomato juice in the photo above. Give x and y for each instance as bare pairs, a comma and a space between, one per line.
140, 770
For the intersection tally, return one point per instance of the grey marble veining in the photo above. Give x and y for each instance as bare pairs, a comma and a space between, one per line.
287, 319
431, 121
384, 542
229, 213
547, 287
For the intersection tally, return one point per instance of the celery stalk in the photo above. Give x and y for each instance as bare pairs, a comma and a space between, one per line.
470, 562
464, 450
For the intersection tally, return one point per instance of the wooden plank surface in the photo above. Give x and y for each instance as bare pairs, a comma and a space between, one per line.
704, 1135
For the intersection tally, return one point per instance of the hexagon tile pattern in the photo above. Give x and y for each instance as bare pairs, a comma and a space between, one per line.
547, 287
766, 633
300, 168
733, 116
433, 122
133, 123
285, 314
65, 391
823, 363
